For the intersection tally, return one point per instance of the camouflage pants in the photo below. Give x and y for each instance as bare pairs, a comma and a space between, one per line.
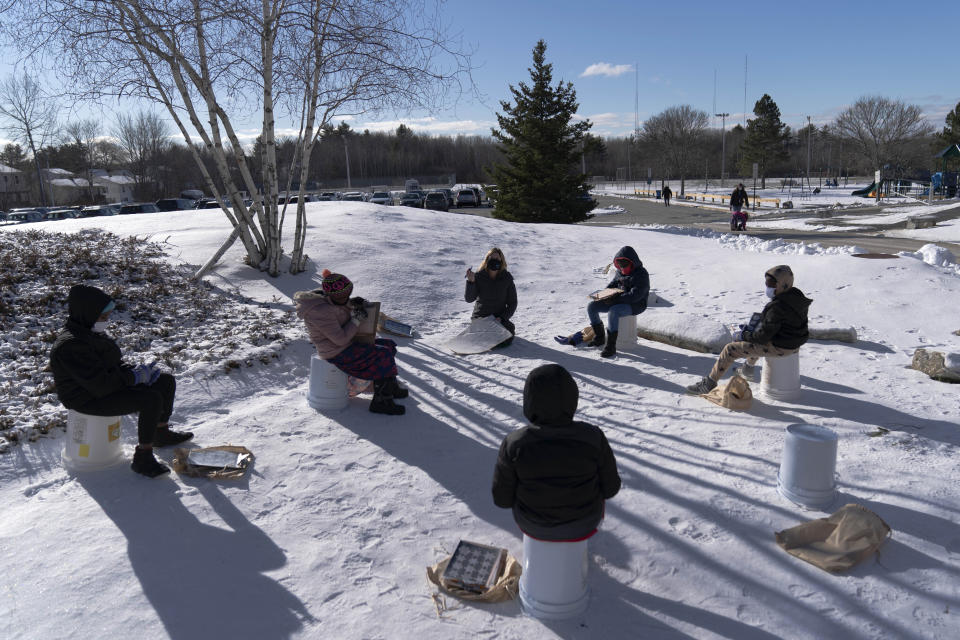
749, 350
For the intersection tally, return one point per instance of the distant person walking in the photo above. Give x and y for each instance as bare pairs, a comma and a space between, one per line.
667, 193
738, 200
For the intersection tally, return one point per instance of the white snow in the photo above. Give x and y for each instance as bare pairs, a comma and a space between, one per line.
329, 534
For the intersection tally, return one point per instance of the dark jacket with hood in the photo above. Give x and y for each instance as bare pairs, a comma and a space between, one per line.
739, 198
494, 296
635, 285
556, 473
784, 319
87, 365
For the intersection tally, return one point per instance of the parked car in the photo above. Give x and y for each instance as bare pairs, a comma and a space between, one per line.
60, 214
138, 207
451, 197
175, 204
381, 197
466, 197
352, 196
97, 210
207, 203
19, 216
328, 196
436, 200
411, 199
479, 194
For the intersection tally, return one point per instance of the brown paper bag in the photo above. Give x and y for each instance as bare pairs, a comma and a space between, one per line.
506, 588
735, 395
850, 535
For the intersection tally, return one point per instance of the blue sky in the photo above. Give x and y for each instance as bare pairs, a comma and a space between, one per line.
813, 58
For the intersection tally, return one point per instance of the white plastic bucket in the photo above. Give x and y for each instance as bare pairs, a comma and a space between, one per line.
808, 469
553, 585
780, 379
328, 386
92, 442
627, 332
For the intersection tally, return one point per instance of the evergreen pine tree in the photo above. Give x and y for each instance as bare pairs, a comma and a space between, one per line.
540, 180
766, 139
951, 132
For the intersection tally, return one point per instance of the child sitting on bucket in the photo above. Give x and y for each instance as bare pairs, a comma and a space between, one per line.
332, 318
634, 283
781, 332
556, 472
91, 377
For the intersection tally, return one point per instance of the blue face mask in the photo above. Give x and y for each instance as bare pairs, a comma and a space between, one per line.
771, 291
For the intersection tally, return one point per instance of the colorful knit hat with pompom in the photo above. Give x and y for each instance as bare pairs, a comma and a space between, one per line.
335, 283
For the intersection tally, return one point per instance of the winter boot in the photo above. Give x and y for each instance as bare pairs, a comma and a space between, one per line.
610, 349
383, 401
164, 437
702, 387
598, 335
395, 390
144, 463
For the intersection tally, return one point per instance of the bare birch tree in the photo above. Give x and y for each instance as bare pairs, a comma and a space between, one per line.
881, 129
31, 117
211, 62
677, 134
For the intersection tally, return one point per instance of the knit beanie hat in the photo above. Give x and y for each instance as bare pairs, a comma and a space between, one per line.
335, 284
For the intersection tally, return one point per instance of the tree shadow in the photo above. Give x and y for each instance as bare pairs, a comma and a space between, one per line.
203, 580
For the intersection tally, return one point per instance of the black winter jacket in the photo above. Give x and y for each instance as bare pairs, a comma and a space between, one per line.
636, 286
556, 473
739, 198
783, 322
494, 296
86, 365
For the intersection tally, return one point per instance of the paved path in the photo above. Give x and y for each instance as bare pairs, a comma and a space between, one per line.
687, 215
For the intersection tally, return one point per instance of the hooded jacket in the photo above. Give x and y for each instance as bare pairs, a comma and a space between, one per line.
87, 365
494, 296
328, 324
555, 473
784, 319
635, 286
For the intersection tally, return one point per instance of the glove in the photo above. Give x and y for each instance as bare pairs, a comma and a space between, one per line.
141, 374
358, 313
155, 372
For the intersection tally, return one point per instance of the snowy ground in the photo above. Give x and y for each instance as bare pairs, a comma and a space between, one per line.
330, 533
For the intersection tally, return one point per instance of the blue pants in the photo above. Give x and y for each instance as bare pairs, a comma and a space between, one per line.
614, 313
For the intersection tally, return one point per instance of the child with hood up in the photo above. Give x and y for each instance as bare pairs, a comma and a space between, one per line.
556, 472
782, 330
332, 318
634, 282
92, 378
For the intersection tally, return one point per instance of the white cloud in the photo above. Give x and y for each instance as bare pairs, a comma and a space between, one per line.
606, 69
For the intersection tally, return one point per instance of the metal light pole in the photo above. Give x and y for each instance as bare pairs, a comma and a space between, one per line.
723, 143
809, 136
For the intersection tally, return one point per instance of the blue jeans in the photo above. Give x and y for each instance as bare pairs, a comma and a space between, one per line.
614, 313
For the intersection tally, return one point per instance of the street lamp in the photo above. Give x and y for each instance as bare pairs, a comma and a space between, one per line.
723, 143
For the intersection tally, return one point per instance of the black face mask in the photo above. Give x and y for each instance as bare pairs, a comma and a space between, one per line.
494, 265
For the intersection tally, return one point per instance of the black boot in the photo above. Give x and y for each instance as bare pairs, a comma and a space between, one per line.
164, 437
598, 335
395, 390
610, 349
383, 401
144, 463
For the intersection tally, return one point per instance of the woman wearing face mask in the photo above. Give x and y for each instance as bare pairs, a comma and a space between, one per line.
493, 291
634, 282
91, 377
782, 330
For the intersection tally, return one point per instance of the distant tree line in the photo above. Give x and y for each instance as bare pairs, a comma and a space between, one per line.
675, 144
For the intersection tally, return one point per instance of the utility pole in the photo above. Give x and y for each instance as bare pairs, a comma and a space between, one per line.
809, 136
723, 143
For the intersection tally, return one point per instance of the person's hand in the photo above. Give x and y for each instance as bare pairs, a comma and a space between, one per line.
470, 276
141, 374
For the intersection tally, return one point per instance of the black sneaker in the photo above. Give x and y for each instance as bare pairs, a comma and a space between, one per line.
145, 464
702, 387
164, 437
386, 406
